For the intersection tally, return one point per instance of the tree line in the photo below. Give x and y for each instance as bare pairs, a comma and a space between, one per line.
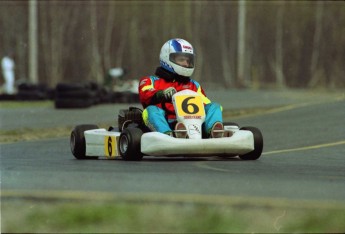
284, 43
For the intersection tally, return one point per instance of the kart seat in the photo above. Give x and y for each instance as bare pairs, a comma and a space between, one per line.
130, 117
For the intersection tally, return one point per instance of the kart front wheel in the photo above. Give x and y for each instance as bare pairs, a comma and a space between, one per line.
258, 144
77, 140
129, 144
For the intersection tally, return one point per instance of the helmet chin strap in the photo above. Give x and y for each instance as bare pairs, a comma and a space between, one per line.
169, 76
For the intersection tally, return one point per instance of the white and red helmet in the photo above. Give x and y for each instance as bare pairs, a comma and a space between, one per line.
168, 53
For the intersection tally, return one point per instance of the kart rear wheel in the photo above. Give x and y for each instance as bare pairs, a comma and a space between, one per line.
77, 140
130, 144
258, 144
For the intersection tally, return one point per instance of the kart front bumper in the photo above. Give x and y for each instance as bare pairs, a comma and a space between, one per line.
158, 144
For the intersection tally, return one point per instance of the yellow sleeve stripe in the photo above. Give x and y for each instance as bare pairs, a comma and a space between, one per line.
150, 86
147, 87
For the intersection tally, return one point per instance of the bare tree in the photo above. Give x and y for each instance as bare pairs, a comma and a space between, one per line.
241, 43
33, 42
79, 40
13, 34
277, 65
199, 66
57, 18
166, 25
96, 68
109, 27
316, 45
134, 40
224, 50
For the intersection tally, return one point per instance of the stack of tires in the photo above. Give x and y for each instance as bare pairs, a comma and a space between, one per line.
31, 92
125, 97
83, 95
103, 95
68, 95
8, 97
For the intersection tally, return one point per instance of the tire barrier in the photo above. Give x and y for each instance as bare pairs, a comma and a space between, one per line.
88, 94
71, 95
8, 97
32, 92
125, 97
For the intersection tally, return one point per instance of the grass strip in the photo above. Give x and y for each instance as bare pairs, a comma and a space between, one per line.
25, 104
27, 134
32, 134
148, 214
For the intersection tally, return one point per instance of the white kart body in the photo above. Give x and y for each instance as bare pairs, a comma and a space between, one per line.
100, 142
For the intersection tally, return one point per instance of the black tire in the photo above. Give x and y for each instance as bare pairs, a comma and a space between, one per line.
75, 94
129, 144
51, 94
73, 103
27, 87
77, 140
119, 97
8, 97
132, 97
62, 87
31, 95
258, 144
105, 95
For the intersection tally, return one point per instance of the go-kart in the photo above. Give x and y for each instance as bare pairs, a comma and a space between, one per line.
132, 140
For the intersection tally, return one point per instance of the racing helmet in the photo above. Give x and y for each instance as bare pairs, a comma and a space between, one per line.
171, 54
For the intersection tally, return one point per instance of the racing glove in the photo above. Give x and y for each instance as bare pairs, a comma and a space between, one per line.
166, 94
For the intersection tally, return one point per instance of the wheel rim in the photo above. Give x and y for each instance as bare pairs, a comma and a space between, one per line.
72, 142
124, 144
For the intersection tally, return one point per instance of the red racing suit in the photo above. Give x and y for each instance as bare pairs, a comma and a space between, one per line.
150, 85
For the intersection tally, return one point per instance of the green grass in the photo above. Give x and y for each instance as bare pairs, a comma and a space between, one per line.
24, 104
148, 217
32, 134
27, 134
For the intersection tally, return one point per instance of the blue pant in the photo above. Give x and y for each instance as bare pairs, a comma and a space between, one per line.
156, 120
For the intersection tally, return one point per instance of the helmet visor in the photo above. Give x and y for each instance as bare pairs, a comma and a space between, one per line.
182, 59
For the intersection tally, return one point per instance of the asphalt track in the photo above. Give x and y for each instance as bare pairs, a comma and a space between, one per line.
303, 159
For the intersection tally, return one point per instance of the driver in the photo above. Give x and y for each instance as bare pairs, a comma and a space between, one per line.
177, 62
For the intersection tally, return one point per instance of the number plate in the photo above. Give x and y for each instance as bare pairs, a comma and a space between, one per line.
110, 146
189, 106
